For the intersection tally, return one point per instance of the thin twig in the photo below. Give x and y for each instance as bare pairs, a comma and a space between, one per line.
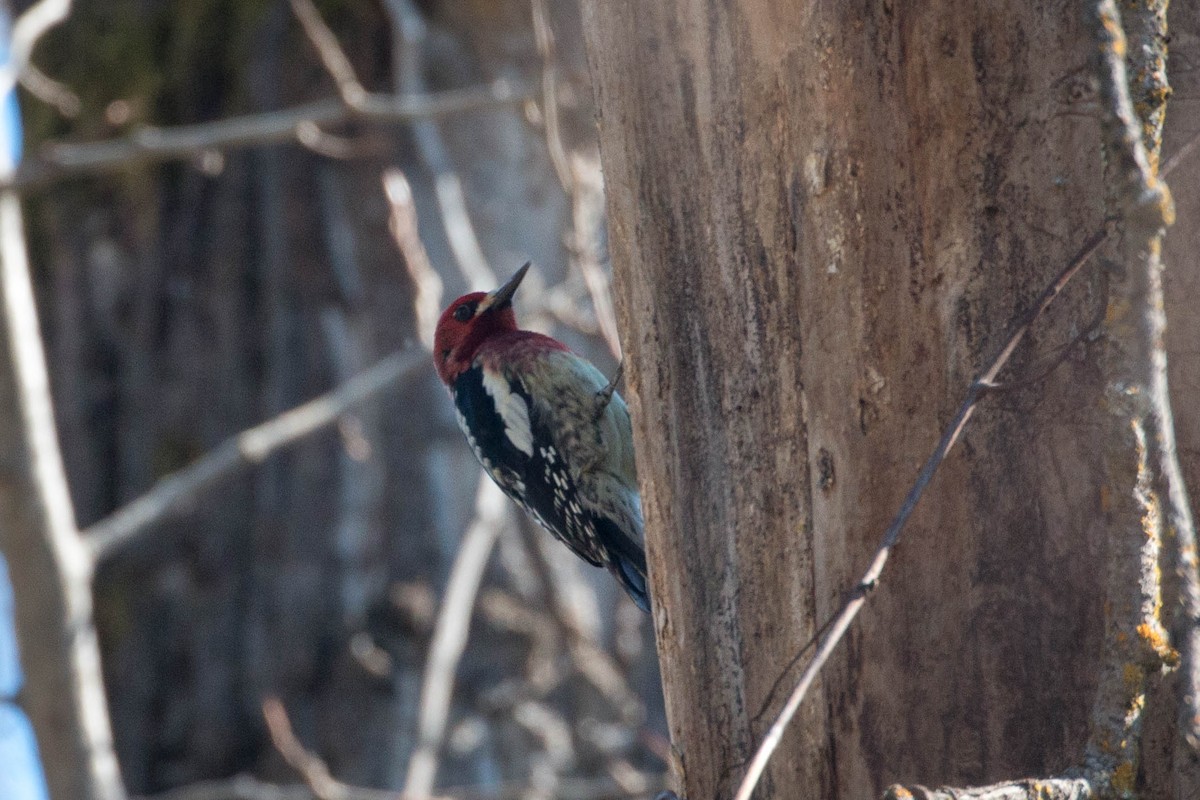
408, 43
402, 222
587, 220
544, 36
180, 489
49, 91
339, 148
978, 388
311, 768
57, 160
31, 26
1064, 351
1179, 155
581, 178
332, 56
450, 635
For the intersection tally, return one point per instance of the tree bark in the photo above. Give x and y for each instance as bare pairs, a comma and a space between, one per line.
822, 219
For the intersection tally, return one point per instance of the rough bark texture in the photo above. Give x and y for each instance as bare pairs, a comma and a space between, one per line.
822, 219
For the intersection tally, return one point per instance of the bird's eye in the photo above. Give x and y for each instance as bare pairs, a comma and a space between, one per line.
464, 312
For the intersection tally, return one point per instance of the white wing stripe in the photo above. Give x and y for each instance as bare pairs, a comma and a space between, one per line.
512, 409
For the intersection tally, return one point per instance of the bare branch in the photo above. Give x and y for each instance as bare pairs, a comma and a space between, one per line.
408, 40
29, 28
1181, 557
582, 179
858, 597
402, 222
152, 144
50, 91
51, 569
1140, 456
544, 36
333, 57
324, 144
180, 489
587, 219
311, 767
1179, 155
450, 635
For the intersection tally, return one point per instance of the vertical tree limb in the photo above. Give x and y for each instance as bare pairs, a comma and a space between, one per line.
52, 569
1140, 440
1146, 23
408, 38
450, 635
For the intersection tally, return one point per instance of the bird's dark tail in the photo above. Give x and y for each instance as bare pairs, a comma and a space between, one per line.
626, 561
631, 573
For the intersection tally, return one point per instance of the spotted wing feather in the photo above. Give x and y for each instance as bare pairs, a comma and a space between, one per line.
572, 467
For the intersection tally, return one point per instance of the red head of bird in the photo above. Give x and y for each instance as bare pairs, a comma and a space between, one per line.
470, 321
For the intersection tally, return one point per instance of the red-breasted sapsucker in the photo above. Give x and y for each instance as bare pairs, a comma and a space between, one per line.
548, 428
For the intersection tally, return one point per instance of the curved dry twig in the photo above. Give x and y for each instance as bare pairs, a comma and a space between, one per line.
31, 26
332, 56
841, 622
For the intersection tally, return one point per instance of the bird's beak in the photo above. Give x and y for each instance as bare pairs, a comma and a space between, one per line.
502, 297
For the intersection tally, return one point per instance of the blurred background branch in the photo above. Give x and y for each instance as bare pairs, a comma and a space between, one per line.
235, 208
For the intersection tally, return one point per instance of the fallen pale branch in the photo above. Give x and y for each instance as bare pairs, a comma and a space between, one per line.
1049, 789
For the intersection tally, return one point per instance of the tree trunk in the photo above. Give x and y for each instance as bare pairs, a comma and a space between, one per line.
822, 220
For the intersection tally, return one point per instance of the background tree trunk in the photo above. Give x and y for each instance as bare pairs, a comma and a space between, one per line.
822, 220
188, 300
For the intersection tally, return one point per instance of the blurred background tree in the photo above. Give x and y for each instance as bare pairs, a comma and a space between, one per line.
190, 292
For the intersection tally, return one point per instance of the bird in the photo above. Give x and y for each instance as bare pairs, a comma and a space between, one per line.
548, 428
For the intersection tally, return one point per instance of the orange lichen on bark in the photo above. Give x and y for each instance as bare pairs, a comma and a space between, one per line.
1133, 677
1123, 777
1155, 638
